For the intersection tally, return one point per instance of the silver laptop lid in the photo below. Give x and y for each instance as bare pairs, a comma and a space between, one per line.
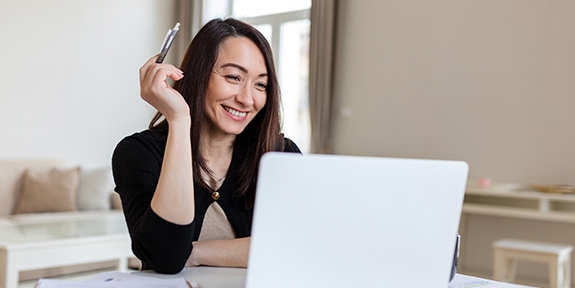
348, 221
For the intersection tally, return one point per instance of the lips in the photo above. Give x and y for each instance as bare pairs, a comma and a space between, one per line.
235, 112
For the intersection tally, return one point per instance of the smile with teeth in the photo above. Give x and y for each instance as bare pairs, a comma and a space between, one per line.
235, 112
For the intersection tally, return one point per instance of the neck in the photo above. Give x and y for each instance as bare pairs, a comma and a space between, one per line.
217, 150
213, 149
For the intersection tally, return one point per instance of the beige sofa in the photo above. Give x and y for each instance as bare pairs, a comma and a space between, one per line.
36, 190
61, 187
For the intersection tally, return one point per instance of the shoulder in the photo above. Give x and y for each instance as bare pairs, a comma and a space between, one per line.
140, 144
290, 146
136, 158
146, 138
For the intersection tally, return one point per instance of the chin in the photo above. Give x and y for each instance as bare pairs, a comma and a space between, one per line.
235, 128
234, 131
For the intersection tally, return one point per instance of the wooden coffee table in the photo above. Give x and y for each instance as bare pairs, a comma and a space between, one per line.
30, 245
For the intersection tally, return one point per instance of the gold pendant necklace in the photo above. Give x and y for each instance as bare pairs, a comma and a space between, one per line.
215, 184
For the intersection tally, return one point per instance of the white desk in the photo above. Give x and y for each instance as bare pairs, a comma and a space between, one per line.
212, 277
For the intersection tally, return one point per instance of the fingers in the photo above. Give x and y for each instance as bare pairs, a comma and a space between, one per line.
155, 90
152, 71
153, 77
144, 69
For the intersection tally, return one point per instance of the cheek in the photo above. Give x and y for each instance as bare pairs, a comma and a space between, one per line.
260, 101
210, 94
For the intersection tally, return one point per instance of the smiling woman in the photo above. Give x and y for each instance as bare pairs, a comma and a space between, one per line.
187, 183
286, 25
237, 88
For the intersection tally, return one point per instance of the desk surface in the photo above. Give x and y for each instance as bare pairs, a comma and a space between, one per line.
215, 277
212, 277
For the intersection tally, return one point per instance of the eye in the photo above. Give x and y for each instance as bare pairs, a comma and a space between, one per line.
233, 78
262, 86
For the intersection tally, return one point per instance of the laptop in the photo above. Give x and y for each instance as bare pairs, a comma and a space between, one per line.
354, 221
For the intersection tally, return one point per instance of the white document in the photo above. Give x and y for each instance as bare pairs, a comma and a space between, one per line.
465, 281
121, 280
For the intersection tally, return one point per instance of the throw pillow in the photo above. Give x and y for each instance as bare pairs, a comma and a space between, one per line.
48, 191
96, 185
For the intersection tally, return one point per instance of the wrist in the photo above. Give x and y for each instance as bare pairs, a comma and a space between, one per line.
193, 260
183, 121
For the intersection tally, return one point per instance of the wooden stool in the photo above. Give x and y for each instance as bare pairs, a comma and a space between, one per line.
508, 251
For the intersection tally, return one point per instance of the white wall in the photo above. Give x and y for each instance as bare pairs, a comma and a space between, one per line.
489, 82
69, 75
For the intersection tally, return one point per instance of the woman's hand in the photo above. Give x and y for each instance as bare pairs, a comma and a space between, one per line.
222, 253
155, 90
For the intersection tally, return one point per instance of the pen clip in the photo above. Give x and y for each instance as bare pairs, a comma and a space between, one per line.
168, 35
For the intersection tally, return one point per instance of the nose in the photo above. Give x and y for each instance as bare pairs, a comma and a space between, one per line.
245, 95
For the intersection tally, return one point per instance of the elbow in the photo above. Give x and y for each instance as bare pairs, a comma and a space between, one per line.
168, 269
166, 265
162, 262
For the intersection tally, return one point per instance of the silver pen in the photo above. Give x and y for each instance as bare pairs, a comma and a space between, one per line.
168, 42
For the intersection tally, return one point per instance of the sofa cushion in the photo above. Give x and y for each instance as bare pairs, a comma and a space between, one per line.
96, 188
11, 171
53, 190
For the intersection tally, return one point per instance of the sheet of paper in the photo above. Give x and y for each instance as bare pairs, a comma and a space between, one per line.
55, 283
121, 280
464, 281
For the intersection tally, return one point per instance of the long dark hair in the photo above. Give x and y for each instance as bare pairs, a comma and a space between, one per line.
262, 135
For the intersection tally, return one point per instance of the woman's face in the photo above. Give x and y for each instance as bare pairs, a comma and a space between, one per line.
237, 87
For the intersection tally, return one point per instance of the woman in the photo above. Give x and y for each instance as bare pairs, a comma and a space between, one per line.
187, 183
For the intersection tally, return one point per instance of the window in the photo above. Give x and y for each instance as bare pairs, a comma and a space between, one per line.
286, 25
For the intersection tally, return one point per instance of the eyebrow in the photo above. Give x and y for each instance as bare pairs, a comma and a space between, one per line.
242, 68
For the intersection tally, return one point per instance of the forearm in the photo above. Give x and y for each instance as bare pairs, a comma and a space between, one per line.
173, 199
223, 253
164, 252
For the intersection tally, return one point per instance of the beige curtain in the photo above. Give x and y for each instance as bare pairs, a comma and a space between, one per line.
322, 41
189, 14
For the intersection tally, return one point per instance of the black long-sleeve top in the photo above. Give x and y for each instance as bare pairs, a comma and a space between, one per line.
161, 245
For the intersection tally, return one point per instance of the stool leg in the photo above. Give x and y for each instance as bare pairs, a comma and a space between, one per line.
511, 269
498, 266
504, 267
555, 274
564, 271
567, 270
